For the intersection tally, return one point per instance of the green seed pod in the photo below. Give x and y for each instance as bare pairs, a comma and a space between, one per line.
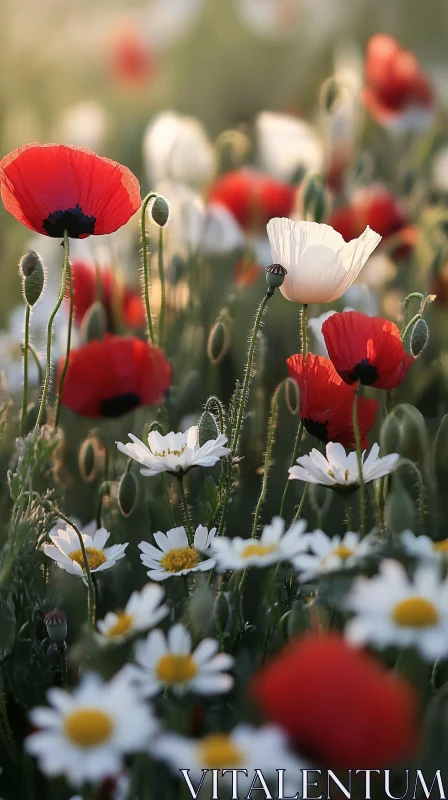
414, 437
314, 200
419, 338
275, 275
29, 262
94, 323
33, 277
399, 510
56, 624
390, 435
90, 457
127, 494
160, 211
208, 428
218, 341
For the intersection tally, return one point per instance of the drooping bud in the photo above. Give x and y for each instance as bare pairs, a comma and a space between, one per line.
414, 437
399, 511
390, 435
94, 323
160, 211
127, 494
33, 277
90, 458
275, 275
56, 624
419, 338
219, 338
314, 200
208, 428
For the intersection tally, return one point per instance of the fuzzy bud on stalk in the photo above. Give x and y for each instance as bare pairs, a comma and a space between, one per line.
208, 428
419, 338
56, 624
33, 277
127, 494
94, 323
160, 211
90, 458
219, 340
399, 511
201, 608
222, 611
414, 437
390, 436
275, 275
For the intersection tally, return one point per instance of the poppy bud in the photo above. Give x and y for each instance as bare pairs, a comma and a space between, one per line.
399, 511
218, 340
314, 202
94, 323
201, 609
33, 277
390, 435
275, 275
414, 438
90, 455
127, 494
222, 611
208, 428
408, 181
419, 338
56, 624
160, 211
329, 94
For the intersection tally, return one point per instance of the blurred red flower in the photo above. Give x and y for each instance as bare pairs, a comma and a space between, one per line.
246, 272
130, 59
395, 86
326, 402
366, 349
371, 205
253, 197
114, 297
340, 706
110, 377
51, 188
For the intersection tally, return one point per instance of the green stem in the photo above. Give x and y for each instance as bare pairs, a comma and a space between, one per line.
381, 505
9, 736
180, 480
272, 424
301, 504
362, 486
26, 343
410, 324
69, 331
162, 289
348, 515
406, 462
40, 372
146, 264
104, 487
64, 680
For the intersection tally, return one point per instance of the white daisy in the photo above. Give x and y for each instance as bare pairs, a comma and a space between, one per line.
392, 609
67, 553
245, 747
168, 661
144, 610
331, 554
423, 547
321, 265
273, 546
175, 453
176, 556
85, 735
340, 471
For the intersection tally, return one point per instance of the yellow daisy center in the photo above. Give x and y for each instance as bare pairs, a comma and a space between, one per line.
169, 452
176, 668
88, 727
343, 552
256, 549
218, 751
94, 557
179, 558
121, 626
441, 547
415, 612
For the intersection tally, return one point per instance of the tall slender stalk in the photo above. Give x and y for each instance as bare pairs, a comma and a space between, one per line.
180, 480
69, 331
162, 289
26, 343
146, 264
362, 486
272, 424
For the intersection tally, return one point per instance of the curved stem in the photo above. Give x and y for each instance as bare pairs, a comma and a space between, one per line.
146, 265
406, 462
272, 424
26, 342
362, 486
301, 504
69, 331
162, 289
410, 324
180, 480
35, 357
104, 486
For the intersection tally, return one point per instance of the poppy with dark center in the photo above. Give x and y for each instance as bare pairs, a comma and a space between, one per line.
121, 301
253, 197
54, 188
326, 402
366, 349
338, 705
110, 377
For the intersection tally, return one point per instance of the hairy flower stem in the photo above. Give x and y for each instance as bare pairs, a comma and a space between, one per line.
362, 486
180, 481
69, 332
146, 264
272, 425
46, 386
162, 289
103, 488
301, 504
26, 343
64, 677
348, 515
35, 357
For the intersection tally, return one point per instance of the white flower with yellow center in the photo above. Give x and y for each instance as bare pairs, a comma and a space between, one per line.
66, 549
339, 470
86, 734
175, 453
423, 547
320, 265
273, 546
168, 661
245, 748
392, 609
176, 556
143, 611
330, 554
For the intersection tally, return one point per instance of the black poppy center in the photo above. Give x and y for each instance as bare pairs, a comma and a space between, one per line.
119, 404
316, 429
72, 220
365, 372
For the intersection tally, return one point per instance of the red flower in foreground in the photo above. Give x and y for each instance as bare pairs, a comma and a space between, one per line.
253, 197
126, 301
366, 349
396, 90
326, 402
341, 707
110, 377
51, 188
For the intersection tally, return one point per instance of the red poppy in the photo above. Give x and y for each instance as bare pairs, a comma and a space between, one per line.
246, 272
340, 706
253, 197
128, 301
131, 61
51, 188
371, 205
110, 377
395, 84
326, 402
366, 349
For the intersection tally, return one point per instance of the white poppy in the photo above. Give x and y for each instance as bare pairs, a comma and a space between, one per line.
287, 145
175, 453
66, 549
85, 735
176, 556
339, 470
320, 265
144, 610
177, 147
273, 546
423, 547
331, 554
392, 609
169, 661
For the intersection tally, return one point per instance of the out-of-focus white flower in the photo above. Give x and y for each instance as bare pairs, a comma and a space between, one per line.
66, 549
287, 145
177, 147
83, 124
339, 470
440, 169
166, 21
423, 547
379, 269
320, 265
176, 556
360, 297
144, 610
331, 554
85, 735
273, 546
272, 17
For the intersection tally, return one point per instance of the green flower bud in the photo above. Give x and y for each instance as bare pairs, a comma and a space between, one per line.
94, 323
390, 435
127, 494
33, 277
275, 275
160, 211
90, 458
414, 437
222, 612
399, 511
201, 609
56, 624
208, 428
329, 94
219, 340
419, 338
